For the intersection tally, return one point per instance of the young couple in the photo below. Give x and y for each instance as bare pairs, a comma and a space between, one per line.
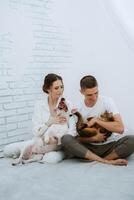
96, 148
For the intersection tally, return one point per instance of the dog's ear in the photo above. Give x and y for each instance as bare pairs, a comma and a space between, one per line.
62, 99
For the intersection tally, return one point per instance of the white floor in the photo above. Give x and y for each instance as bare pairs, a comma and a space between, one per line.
69, 180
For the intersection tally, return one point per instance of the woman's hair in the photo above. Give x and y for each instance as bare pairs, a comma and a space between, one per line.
88, 82
48, 81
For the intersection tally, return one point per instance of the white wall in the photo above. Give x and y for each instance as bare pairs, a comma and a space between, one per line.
69, 37
103, 45
31, 45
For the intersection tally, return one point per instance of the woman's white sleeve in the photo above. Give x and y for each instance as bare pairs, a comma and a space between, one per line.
39, 126
72, 126
72, 120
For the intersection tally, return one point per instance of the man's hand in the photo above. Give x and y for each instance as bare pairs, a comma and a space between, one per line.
99, 137
92, 122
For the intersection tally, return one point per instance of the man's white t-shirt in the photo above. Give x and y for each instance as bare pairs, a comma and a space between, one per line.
103, 104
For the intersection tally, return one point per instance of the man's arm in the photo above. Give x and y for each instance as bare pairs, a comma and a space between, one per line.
115, 126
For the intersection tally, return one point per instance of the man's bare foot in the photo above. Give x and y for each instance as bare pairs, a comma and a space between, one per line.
120, 162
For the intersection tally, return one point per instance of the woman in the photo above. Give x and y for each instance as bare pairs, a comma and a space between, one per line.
44, 116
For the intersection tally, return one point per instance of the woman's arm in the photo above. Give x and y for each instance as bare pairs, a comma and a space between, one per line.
40, 119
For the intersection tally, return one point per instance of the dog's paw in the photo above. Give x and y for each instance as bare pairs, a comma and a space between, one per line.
23, 162
15, 163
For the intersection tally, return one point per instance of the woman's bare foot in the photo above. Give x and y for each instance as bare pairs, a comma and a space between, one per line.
120, 162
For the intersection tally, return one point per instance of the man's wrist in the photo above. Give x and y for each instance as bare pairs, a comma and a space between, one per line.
98, 121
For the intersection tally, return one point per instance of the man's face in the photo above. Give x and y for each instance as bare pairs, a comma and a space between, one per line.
91, 95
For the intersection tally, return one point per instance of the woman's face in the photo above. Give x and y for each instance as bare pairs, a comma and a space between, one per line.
56, 90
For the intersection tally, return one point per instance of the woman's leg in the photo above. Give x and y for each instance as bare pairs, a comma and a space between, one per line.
73, 147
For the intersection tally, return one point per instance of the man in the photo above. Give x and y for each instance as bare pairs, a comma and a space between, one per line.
113, 149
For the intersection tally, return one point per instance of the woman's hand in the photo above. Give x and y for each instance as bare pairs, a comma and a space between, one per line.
59, 119
53, 140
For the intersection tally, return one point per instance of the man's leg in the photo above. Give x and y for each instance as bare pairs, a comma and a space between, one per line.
72, 147
123, 148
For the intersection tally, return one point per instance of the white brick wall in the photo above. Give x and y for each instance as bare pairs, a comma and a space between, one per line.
29, 49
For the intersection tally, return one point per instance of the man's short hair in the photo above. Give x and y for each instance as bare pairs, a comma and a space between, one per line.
88, 82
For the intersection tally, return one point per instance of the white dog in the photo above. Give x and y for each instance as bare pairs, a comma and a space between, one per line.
35, 150
58, 130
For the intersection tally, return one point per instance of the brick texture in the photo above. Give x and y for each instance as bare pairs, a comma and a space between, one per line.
49, 50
